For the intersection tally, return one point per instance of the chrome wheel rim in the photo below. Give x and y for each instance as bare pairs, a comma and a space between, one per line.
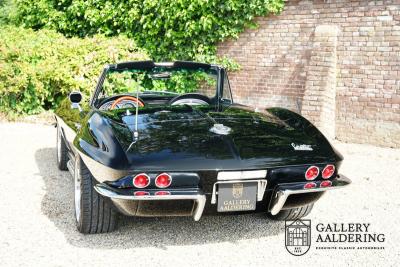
77, 193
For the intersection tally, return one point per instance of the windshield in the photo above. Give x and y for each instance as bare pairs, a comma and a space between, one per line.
160, 80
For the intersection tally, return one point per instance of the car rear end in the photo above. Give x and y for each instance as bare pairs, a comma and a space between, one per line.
229, 191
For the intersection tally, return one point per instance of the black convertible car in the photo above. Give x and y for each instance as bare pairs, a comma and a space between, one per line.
167, 139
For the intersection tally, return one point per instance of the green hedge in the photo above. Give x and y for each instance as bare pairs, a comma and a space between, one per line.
39, 68
168, 29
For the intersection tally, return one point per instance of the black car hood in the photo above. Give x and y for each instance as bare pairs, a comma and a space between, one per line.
179, 139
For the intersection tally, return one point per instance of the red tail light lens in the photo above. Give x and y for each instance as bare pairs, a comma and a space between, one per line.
141, 180
312, 173
141, 193
325, 184
163, 180
162, 193
328, 171
310, 185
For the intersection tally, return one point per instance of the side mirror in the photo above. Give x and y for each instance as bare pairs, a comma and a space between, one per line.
75, 98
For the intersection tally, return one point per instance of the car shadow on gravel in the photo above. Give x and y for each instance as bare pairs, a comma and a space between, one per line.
57, 205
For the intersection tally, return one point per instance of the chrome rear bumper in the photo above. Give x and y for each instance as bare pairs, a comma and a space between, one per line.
283, 191
188, 194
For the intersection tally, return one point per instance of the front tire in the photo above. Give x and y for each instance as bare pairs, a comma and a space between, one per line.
292, 214
93, 213
62, 152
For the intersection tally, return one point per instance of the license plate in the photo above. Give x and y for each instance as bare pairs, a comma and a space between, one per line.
236, 196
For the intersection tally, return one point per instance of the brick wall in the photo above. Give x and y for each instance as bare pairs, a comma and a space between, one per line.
346, 82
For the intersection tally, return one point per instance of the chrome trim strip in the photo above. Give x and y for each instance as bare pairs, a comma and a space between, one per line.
229, 175
261, 186
232, 175
195, 195
284, 191
164, 64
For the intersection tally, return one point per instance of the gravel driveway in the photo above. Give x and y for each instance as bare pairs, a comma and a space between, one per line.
37, 225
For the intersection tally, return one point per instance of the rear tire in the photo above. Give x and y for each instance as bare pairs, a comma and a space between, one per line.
94, 213
62, 152
292, 214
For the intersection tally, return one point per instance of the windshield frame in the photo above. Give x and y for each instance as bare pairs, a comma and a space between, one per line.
148, 65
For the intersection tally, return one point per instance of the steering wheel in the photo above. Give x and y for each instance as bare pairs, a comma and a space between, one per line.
127, 97
191, 99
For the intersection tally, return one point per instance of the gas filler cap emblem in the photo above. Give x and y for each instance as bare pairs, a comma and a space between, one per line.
220, 129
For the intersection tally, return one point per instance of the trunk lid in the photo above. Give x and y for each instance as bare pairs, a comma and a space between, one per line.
179, 138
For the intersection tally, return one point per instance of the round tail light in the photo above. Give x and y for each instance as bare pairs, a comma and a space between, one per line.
310, 185
162, 193
325, 184
141, 180
312, 173
328, 171
141, 193
163, 180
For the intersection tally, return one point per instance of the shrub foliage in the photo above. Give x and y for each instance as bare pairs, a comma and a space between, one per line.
38, 69
168, 29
